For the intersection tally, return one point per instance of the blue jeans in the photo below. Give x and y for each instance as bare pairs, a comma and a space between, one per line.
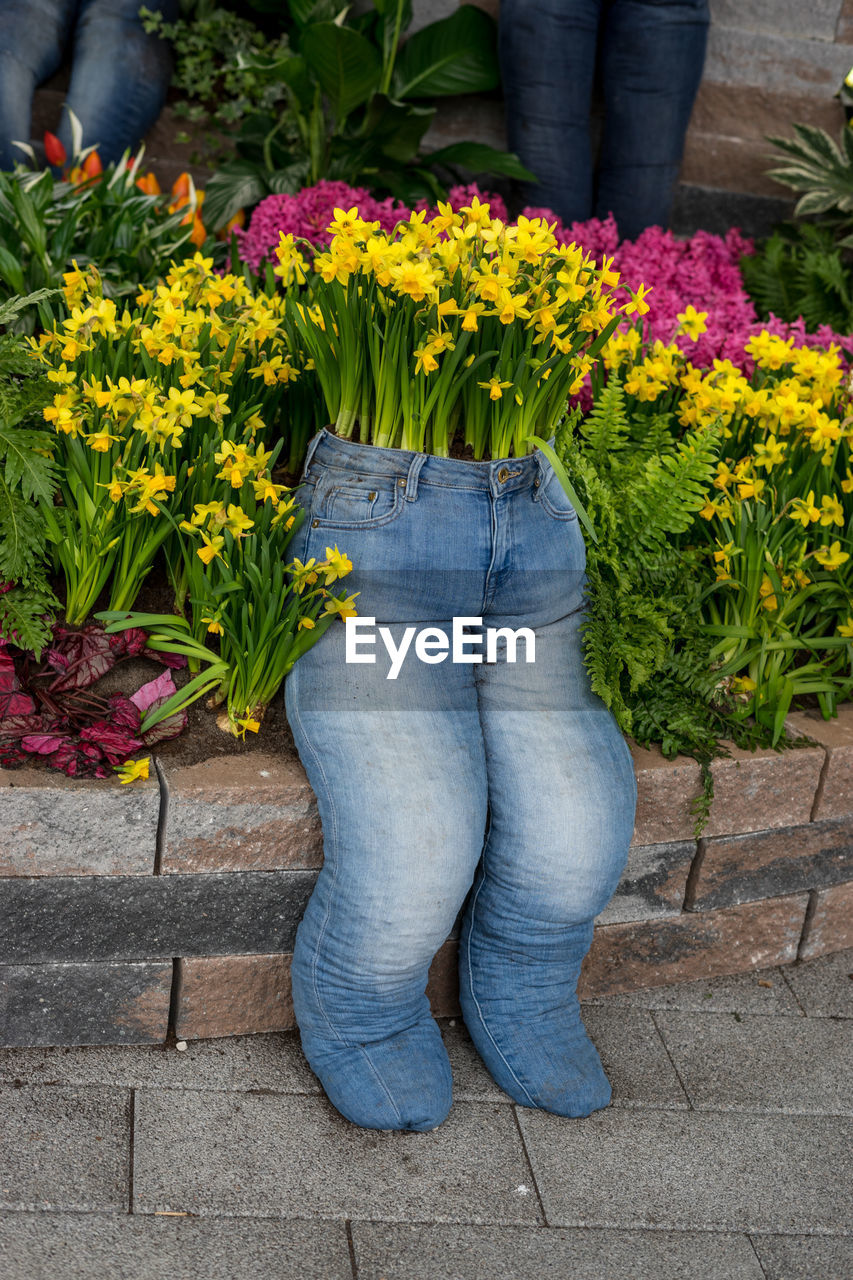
650, 54
119, 75
409, 773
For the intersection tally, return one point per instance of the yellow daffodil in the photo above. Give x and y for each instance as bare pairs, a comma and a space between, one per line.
132, 769
831, 557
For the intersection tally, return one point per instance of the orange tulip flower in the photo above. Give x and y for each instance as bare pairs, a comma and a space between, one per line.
149, 184
53, 149
92, 166
181, 188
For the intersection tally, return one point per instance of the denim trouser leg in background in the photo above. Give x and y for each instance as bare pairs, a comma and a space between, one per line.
119, 75
650, 54
408, 771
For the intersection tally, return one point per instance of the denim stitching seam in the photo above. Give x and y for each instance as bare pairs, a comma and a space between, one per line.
483, 1022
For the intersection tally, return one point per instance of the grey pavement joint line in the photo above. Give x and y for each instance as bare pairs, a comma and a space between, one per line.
790, 987
353, 1261
754, 1248
545, 1222
131, 1118
162, 817
662, 1039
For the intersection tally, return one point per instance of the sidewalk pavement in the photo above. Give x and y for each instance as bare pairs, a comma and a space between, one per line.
725, 1155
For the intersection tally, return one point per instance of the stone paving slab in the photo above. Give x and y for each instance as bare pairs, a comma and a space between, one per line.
240, 1062
48, 1246
393, 1252
761, 1064
630, 1046
805, 1257
824, 987
693, 1170
634, 1057
274, 1155
763, 991
64, 1148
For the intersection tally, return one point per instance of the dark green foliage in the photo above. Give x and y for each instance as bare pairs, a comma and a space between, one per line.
645, 647
27, 478
802, 270
356, 102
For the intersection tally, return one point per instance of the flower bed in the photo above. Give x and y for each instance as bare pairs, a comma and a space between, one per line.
713, 475
184, 891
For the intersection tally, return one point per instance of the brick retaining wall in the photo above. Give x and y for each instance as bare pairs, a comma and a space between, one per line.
174, 902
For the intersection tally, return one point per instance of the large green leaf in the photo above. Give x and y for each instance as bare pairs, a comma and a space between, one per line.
456, 55
479, 158
305, 11
232, 187
394, 129
347, 66
395, 17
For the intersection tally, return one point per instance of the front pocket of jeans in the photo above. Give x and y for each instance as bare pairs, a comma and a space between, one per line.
355, 503
554, 499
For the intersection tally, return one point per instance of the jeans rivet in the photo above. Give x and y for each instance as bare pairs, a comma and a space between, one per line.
401, 483
315, 524
536, 483
372, 496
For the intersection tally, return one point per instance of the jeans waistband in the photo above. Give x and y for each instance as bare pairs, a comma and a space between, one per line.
497, 476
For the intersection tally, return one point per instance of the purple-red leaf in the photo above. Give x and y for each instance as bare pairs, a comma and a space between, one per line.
129, 643
175, 660
168, 728
17, 726
43, 744
155, 691
115, 742
81, 657
12, 701
123, 712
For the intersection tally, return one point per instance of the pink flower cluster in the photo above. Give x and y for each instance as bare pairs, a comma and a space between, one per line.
702, 271
307, 215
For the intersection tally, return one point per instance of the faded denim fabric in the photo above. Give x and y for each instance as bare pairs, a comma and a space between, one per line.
649, 55
119, 75
408, 772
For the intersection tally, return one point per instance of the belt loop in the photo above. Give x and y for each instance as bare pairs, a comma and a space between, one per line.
412, 477
312, 449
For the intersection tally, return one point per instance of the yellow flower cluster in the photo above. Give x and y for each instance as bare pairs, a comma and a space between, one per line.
188, 337
466, 266
787, 436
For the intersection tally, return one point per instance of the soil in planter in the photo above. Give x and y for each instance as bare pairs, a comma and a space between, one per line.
202, 739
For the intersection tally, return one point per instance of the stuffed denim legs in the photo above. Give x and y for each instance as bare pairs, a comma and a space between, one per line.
649, 55
410, 771
119, 75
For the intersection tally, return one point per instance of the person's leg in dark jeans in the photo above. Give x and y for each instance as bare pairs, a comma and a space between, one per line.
120, 75
652, 55
547, 54
33, 35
